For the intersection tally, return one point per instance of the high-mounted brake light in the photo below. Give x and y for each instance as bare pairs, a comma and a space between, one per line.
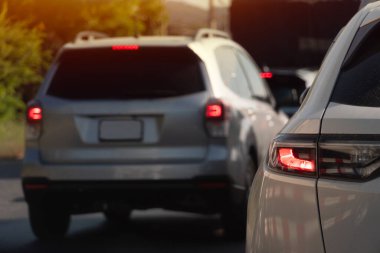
288, 160
34, 114
125, 47
266, 75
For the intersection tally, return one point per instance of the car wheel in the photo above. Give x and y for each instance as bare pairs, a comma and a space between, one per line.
48, 220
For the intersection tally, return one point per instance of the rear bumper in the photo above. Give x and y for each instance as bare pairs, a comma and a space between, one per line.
204, 195
215, 164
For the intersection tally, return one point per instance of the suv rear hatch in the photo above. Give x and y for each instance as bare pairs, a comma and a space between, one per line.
125, 104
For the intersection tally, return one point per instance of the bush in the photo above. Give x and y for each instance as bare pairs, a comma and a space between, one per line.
22, 62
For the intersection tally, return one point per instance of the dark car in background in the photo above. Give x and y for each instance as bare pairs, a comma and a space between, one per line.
288, 37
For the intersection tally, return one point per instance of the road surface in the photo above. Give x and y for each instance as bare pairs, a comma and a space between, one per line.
150, 231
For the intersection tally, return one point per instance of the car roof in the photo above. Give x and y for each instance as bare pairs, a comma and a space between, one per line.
141, 40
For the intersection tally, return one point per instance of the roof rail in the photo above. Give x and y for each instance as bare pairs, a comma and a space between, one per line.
209, 33
89, 35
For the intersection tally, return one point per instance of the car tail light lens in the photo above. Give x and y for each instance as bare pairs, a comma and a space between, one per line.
294, 155
349, 160
125, 47
34, 116
266, 75
215, 111
215, 117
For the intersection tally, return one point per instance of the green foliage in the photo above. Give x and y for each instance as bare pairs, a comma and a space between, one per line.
63, 19
22, 61
30, 29
125, 17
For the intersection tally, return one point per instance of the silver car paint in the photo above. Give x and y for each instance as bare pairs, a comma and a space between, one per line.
283, 215
348, 210
71, 151
350, 215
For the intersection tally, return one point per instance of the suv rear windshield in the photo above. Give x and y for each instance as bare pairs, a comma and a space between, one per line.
149, 72
359, 80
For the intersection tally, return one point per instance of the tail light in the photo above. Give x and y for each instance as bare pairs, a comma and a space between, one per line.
216, 118
125, 47
34, 115
266, 75
349, 160
338, 158
294, 155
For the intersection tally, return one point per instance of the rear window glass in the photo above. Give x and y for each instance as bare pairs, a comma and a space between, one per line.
359, 80
149, 72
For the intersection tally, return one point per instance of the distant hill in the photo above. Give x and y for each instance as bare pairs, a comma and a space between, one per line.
185, 19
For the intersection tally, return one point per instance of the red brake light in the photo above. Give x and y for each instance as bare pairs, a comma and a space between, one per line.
290, 162
34, 114
214, 111
266, 75
294, 155
216, 122
125, 47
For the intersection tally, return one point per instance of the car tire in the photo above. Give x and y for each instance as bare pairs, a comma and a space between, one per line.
49, 221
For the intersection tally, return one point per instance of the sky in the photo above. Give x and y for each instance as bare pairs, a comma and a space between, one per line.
203, 3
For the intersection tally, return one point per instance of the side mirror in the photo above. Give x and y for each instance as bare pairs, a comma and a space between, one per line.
303, 95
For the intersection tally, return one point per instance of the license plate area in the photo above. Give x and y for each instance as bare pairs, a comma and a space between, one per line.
120, 130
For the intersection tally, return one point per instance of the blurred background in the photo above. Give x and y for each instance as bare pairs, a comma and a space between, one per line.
32, 31
283, 36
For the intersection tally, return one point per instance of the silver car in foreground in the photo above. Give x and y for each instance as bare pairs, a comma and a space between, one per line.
319, 188
133, 123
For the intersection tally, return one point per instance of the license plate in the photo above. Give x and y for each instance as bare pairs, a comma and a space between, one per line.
120, 130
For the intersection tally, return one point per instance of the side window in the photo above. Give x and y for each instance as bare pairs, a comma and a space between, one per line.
358, 83
232, 73
257, 84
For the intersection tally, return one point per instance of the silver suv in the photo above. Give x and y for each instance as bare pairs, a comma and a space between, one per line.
134, 123
319, 189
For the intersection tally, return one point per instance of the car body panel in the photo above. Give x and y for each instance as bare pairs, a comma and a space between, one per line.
308, 118
348, 119
175, 144
283, 214
343, 212
348, 209
72, 130
349, 215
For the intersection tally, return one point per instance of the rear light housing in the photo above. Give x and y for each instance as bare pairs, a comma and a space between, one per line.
266, 75
216, 118
349, 158
34, 117
335, 157
294, 154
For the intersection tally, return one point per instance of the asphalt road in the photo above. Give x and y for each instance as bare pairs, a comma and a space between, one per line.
149, 231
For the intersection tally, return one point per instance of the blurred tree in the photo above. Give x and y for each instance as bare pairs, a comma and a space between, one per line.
63, 19
22, 60
125, 17
30, 29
